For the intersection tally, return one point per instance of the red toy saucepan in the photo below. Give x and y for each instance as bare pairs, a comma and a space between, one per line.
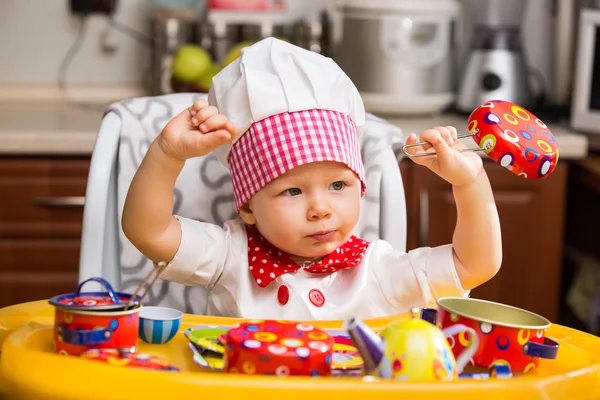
98, 320
507, 335
279, 348
511, 136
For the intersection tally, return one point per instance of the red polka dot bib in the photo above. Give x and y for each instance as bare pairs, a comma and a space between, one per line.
267, 262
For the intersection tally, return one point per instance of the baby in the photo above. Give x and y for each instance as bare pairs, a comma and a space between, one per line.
285, 120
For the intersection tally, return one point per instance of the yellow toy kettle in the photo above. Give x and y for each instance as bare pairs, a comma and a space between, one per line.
413, 349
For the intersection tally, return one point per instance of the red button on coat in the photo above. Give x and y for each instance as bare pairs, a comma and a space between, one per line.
283, 295
316, 297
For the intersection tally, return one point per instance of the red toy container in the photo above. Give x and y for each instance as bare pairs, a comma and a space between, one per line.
94, 320
279, 348
507, 335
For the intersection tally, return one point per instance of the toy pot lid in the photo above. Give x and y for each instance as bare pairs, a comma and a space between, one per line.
93, 301
514, 138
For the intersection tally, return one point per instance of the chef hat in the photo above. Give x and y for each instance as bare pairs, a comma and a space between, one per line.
291, 106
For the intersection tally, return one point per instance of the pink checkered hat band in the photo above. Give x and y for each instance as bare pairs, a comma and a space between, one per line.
279, 143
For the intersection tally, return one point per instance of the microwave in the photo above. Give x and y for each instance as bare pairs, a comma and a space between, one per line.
585, 102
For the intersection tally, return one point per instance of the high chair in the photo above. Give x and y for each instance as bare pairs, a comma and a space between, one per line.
203, 191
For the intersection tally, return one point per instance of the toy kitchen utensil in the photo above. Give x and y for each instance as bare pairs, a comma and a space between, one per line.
278, 348
497, 371
511, 136
206, 359
507, 335
85, 320
135, 299
127, 359
413, 349
207, 337
345, 355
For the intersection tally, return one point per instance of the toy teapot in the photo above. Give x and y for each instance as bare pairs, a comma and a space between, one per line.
413, 349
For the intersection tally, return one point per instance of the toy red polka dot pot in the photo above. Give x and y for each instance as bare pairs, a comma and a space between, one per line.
507, 335
514, 138
279, 348
94, 320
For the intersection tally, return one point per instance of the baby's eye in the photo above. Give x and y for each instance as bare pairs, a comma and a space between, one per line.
292, 192
339, 185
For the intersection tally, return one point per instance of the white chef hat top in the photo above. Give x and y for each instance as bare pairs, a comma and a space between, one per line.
272, 77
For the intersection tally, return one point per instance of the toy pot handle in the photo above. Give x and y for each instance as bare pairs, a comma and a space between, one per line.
86, 337
548, 349
465, 356
103, 282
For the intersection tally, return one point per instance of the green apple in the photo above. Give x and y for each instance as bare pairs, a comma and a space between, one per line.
190, 62
235, 52
205, 80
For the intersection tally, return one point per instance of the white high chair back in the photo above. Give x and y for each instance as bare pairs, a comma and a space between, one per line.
203, 191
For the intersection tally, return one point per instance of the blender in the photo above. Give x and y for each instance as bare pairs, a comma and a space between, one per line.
495, 68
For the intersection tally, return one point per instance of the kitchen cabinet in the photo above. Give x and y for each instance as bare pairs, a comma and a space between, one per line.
532, 222
41, 213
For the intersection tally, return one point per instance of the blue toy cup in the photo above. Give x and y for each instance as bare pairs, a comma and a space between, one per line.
158, 325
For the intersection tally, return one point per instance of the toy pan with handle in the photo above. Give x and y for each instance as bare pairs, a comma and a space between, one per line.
511, 136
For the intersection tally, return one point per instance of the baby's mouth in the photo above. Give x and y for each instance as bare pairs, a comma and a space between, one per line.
322, 236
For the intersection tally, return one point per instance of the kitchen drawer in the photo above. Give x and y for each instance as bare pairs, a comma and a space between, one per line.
39, 255
20, 287
42, 197
532, 216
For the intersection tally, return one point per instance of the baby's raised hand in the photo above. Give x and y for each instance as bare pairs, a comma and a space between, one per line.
457, 168
196, 131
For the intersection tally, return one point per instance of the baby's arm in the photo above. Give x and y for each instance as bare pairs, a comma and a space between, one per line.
148, 220
477, 239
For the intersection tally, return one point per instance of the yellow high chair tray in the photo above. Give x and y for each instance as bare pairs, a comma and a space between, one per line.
29, 369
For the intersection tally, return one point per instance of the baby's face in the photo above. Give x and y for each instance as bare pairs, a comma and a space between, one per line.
309, 211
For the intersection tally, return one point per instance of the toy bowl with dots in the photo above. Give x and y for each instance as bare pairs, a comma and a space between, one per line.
514, 138
280, 348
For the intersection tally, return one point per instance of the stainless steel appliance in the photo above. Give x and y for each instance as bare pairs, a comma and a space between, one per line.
495, 66
171, 28
400, 53
305, 24
308, 25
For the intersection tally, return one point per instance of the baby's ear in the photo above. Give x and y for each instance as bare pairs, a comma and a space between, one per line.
247, 214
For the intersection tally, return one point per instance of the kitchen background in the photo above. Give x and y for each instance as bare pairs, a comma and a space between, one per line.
57, 75
33, 51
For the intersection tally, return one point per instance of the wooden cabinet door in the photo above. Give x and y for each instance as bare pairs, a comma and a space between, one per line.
532, 223
41, 213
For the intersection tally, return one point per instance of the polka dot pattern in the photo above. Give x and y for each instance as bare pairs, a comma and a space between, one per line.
125, 359
267, 262
290, 349
514, 138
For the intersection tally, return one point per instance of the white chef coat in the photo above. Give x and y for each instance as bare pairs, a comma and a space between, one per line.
385, 282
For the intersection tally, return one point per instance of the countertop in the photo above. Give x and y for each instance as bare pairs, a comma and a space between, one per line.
59, 128
48, 128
